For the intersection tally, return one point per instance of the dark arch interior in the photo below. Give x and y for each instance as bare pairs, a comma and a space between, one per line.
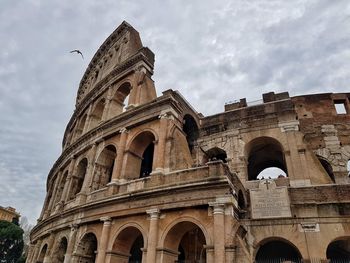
87, 248
339, 249
59, 254
135, 251
191, 247
277, 250
326, 165
81, 171
42, 254
217, 154
147, 161
190, 128
265, 153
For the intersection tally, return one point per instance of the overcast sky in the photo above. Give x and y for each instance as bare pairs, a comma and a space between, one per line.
211, 51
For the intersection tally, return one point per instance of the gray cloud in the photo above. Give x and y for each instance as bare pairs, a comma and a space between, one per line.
212, 51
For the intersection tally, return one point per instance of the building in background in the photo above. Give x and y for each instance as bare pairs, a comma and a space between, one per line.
9, 214
146, 178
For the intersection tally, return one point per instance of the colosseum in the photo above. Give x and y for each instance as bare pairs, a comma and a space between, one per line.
146, 178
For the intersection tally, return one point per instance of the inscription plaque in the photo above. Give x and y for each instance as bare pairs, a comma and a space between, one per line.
269, 201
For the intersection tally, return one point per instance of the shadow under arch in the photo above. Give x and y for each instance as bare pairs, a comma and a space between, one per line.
264, 152
277, 248
184, 240
140, 154
42, 254
339, 249
128, 244
60, 250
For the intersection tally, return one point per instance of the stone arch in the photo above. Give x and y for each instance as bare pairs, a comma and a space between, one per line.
61, 185
60, 250
78, 178
263, 153
97, 113
277, 248
80, 126
216, 153
140, 155
128, 244
87, 248
339, 248
104, 167
185, 239
190, 128
120, 99
42, 254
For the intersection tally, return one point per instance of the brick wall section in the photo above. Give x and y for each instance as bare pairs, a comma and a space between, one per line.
320, 194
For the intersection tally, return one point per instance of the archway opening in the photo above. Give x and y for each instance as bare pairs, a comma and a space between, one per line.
339, 250
87, 249
120, 99
278, 250
271, 173
80, 127
77, 181
104, 167
140, 156
128, 246
60, 188
96, 116
328, 168
191, 130
216, 153
42, 254
188, 240
147, 161
263, 153
60, 252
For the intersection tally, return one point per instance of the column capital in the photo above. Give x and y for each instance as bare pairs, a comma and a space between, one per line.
218, 208
106, 220
154, 213
124, 130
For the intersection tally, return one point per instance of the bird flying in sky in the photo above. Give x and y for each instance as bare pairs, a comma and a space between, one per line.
78, 52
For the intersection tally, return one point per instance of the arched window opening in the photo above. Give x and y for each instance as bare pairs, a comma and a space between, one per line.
328, 168
120, 99
348, 167
147, 161
80, 127
216, 153
136, 250
191, 130
263, 153
339, 251
188, 240
271, 173
96, 116
87, 249
128, 246
104, 167
42, 254
277, 250
60, 251
61, 187
140, 156
78, 179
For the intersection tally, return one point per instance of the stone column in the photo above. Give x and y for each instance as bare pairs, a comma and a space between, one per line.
71, 243
35, 252
49, 250
67, 185
162, 134
219, 232
118, 165
101, 255
152, 235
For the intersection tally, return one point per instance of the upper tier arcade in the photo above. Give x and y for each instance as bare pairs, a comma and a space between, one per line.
118, 78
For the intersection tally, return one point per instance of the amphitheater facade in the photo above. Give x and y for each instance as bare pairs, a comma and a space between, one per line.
146, 178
